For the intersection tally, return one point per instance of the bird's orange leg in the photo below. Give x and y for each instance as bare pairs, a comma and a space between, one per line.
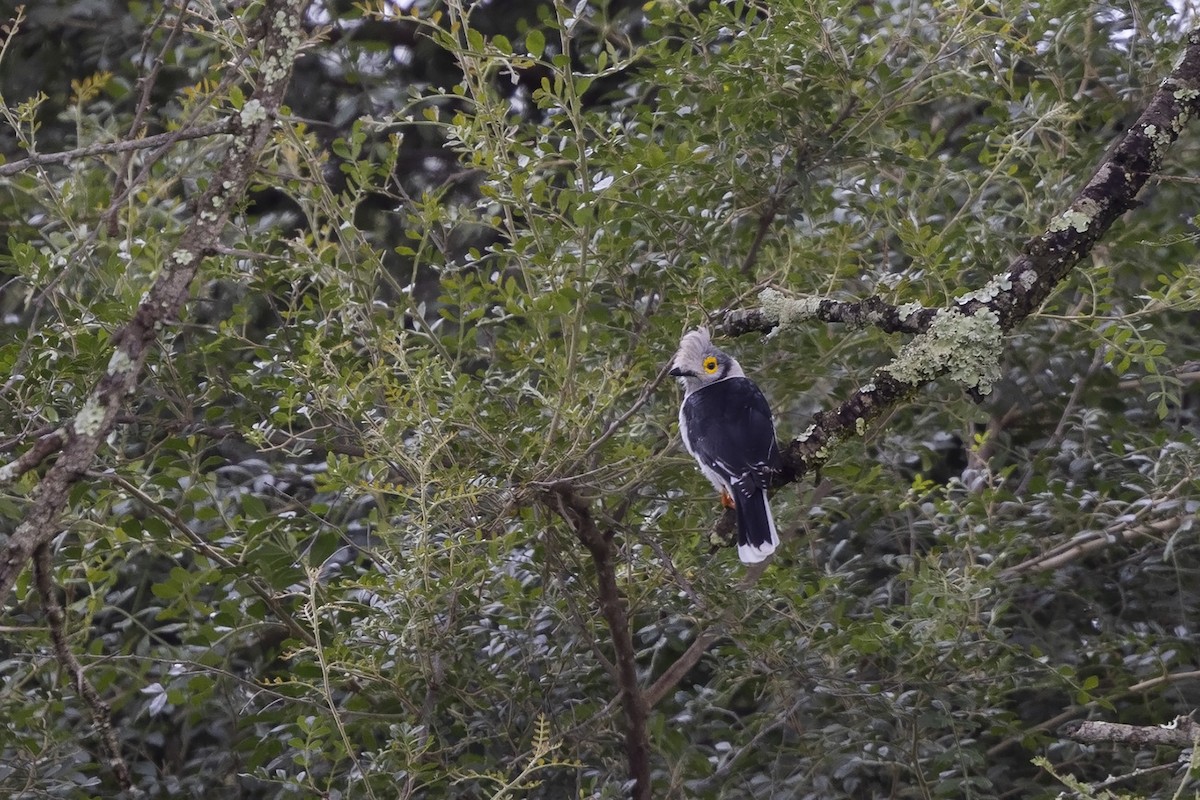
726, 499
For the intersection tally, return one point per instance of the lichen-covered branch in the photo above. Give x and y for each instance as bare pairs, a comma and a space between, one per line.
279, 44
1183, 732
779, 311
964, 339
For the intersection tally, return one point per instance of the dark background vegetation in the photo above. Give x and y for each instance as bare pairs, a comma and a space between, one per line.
328, 550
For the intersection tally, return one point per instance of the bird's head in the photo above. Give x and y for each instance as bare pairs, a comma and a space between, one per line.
698, 363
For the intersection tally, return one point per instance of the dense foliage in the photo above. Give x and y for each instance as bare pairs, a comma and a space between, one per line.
329, 549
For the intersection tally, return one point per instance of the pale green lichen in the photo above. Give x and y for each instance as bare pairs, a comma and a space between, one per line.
90, 418
1078, 220
860, 426
1186, 95
870, 387
1079, 217
990, 290
1029, 279
252, 112
120, 363
1089, 208
809, 431
964, 346
1161, 139
784, 310
906, 310
183, 256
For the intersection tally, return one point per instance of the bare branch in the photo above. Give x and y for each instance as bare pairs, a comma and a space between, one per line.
1091, 541
683, 665
707, 638
1174, 677
124, 146
101, 713
577, 513
45, 447
1074, 711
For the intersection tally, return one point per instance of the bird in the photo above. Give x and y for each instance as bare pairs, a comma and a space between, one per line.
726, 425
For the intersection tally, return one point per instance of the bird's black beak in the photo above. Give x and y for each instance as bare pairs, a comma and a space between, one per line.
678, 372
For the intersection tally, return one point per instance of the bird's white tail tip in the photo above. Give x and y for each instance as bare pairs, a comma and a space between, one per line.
749, 554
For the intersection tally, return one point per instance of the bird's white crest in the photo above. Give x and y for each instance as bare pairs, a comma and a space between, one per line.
692, 348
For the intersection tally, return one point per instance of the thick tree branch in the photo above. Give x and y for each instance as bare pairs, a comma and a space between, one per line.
101, 713
683, 665
280, 43
577, 513
45, 446
1183, 732
964, 339
1062, 719
779, 311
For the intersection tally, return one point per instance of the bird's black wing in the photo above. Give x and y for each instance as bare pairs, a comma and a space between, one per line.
730, 429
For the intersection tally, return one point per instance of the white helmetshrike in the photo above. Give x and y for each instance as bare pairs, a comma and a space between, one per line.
726, 425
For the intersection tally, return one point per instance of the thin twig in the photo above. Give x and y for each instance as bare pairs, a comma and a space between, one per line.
1165, 680
1060, 430
213, 554
101, 713
146, 86
127, 145
616, 424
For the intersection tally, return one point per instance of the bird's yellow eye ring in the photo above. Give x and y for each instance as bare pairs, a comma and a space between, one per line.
710, 365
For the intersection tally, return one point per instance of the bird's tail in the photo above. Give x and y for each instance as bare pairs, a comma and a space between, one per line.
757, 537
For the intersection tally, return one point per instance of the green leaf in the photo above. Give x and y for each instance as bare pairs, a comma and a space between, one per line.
535, 43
